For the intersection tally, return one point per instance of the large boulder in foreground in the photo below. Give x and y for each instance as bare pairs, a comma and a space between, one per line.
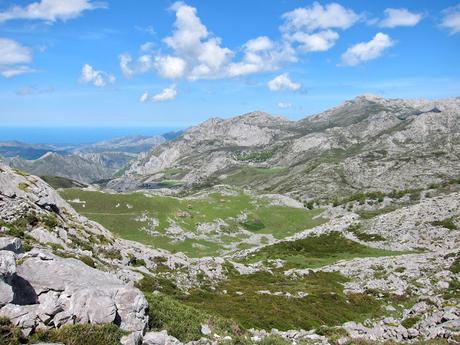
50, 291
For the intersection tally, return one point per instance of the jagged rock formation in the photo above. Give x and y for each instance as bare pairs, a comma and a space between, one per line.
366, 144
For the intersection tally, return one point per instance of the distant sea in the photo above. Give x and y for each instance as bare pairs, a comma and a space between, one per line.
76, 135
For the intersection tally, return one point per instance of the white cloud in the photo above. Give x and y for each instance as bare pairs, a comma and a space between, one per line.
14, 58
170, 67
50, 10
167, 94
283, 82
319, 17
191, 41
259, 44
261, 55
145, 97
147, 47
196, 54
97, 78
451, 19
365, 51
125, 60
284, 105
316, 42
399, 17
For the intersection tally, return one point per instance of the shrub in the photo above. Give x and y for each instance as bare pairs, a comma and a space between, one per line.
253, 225
447, 223
184, 322
50, 221
9, 334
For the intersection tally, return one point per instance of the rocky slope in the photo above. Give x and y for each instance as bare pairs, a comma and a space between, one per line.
366, 144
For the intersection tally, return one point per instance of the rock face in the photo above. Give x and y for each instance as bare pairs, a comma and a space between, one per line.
366, 144
48, 291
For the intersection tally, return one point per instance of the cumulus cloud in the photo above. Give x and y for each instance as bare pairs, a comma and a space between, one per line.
283, 82
197, 54
261, 54
315, 42
170, 67
399, 17
97, 78
167, 94
309, 29
451, 19
147, 47
284, 105
50, 10
366, 51
319, 17
193, 52
14, 58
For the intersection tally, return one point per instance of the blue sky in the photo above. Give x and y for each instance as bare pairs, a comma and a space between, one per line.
166, 63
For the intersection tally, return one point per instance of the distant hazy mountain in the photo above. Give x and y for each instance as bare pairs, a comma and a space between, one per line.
365, 144
84, 163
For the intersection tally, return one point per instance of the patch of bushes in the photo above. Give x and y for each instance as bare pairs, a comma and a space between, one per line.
110, 253
9, 334
355, 229
87, 261
184, 322
150, 283
133, 261
447, 223
410, 321
50, 221
23, 186
324, 304
253, 225
87, 334
455, 267
315, 251
255, 157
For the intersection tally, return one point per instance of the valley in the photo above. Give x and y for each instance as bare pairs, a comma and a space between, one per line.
335, 229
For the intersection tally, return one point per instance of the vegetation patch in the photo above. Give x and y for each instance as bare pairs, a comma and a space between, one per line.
184, 322
324, 303
356, 230
315, 251
109, 334
62, 182
447, 223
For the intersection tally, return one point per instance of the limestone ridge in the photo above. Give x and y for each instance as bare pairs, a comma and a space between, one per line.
366, 144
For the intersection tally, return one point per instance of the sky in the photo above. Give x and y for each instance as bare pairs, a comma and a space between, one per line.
165, 63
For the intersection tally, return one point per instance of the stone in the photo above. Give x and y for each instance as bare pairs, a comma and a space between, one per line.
7, 263
6, 293
45, 236
134, 338
159, 338
205, 330
23, 316
12, 244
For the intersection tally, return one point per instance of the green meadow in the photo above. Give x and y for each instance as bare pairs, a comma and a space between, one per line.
201, 225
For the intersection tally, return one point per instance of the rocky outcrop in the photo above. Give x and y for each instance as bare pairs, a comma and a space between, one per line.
46, 291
